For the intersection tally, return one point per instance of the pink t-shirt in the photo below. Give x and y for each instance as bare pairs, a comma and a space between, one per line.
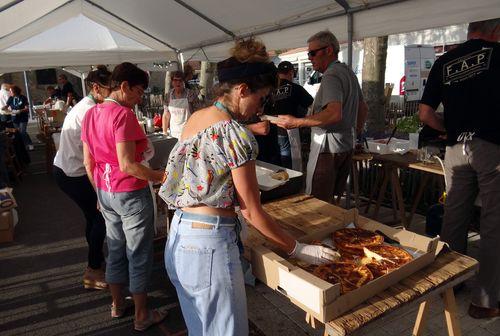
105, 125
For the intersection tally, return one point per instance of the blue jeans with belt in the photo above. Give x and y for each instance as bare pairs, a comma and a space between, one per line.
202, 259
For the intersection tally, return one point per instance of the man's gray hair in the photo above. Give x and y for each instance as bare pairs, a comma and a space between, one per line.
326, 38
5, 86
485, 27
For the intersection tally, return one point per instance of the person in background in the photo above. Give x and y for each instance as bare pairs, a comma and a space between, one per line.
180, 103
291, 99
266, 136
114, 145
71, 101
189, 75
4, 97
64, 87
338, 111
53, 95
210, 171
18, 105
465, 81
71, 176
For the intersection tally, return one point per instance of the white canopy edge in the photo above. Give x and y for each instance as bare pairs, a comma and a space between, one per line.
393, 18
13, 62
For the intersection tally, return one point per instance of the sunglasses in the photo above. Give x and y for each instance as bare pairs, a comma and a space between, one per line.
312, 53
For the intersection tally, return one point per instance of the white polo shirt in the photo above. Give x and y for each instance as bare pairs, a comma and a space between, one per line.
69, 157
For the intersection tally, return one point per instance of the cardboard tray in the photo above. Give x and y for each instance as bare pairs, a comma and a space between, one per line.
264, 171
322, 299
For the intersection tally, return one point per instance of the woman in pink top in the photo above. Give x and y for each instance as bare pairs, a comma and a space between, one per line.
113, 147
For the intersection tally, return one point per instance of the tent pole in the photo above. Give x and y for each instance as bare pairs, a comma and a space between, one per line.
84, 88
180, 58
28, 93
350, 19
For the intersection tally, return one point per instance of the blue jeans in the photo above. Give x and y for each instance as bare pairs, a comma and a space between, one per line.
22, 129
285, 151
129, 232
204, 266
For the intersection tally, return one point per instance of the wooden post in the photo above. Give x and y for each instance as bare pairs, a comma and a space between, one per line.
418, 196
418, 329
450, 313
311, 320
387, 175
379, 172
396, 184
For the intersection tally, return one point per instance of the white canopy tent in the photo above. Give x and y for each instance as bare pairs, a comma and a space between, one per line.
50, 33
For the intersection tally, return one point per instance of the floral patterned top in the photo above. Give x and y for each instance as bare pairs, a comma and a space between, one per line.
199, 168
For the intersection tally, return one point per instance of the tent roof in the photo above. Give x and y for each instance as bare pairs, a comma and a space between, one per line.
147, 30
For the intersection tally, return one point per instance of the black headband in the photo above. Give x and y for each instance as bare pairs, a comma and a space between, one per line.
243, 70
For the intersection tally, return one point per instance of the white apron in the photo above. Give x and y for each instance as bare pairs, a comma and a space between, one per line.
146, 156
295, 148
179, 115
318, 140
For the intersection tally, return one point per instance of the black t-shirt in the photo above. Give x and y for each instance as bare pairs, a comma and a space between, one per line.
466, 80
269, 149
290, 98
18, 103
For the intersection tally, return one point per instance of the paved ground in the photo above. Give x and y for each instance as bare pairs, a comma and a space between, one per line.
41, 292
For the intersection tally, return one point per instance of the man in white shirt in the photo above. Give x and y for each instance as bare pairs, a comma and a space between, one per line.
4, 96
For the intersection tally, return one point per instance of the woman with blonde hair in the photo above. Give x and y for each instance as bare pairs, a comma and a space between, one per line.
210, 171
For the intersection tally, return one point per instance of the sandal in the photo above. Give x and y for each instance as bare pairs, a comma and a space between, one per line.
155, 316
118, 312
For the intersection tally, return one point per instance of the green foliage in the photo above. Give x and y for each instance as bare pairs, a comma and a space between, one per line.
409, 124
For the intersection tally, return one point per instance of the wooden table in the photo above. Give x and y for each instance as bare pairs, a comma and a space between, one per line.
390, 164
448, 270
302, 214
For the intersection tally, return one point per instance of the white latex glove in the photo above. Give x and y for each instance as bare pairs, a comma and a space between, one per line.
14, 112
314, 254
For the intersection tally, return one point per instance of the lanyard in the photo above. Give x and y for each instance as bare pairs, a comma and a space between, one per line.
223, 108
92, 98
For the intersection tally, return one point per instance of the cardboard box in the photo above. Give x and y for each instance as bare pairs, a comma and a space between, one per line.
7, 200
322, 299
6, 226
58, 116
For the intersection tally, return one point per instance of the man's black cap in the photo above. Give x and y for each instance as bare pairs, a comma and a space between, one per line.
284, 67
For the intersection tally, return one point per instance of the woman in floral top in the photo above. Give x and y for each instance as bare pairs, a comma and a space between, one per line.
209, 172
